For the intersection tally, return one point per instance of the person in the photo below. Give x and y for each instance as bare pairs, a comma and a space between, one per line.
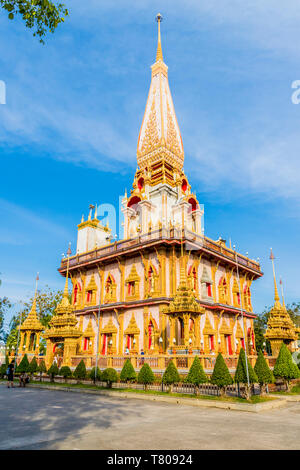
10, 374
127, 351
23, 379
142, 352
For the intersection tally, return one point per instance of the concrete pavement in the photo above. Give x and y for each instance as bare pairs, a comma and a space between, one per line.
43, 419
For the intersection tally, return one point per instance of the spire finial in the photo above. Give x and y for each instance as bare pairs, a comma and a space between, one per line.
159, 54
281, 285
272, 257
33, 307
66, 290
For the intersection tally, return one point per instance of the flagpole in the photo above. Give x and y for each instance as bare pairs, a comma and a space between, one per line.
242, 313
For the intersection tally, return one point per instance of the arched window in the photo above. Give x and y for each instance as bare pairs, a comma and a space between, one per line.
223, 290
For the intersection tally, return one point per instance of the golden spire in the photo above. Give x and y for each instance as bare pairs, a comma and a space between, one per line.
272, 257
159, 54
283, 303
65, 298
32, 322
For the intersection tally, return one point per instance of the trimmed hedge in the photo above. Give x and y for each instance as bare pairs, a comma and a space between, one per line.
65, 372
127, 373
196, 375
80, 371
263, 372
33, 366
221, 375
24, 365
285, 368
146, 376
92, 374
109, 376
171, 375
53, 371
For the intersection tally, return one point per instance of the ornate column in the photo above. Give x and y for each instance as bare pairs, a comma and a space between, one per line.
186, 320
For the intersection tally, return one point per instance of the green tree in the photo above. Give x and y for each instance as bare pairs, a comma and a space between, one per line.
221, 375
42, 369
65, 372
94, 376
33, 366
263, 372
127, 373
241, 374
5, 306
46, 303
109, 376
196, 375
285, 368
41, 15
53, 371
171, 375
146, 376
24, 365
80, 371
3, 368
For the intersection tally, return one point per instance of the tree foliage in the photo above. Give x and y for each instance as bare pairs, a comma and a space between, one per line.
221, 376
92, 374
127, 373
65, 372
285, 368
24, 365
241, 370
53, 371
146, 376
80, 371
262, 370
109, 376
171, 374
40, 15
33, 366
196, 375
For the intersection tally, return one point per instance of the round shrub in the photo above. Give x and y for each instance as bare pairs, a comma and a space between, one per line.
53, 371
285, 368
146, 376
65, 372
109, 376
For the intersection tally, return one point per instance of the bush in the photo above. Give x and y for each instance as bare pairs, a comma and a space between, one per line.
221, 376
241, 373
196, 375
53, 371
42, 369
65, 372
92, 374
109, 376
263, 372
285, 368
171, 375
80, 371
146, 376
23, 366
128, 373
33, 366
3, 368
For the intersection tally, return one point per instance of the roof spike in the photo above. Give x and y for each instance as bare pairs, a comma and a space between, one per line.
159, 54
276, 296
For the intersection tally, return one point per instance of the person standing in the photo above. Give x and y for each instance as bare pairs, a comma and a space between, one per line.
10, 374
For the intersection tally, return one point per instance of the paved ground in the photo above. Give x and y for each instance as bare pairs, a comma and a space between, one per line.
44, 419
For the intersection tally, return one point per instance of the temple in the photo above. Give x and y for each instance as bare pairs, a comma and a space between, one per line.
165, 288
280, 327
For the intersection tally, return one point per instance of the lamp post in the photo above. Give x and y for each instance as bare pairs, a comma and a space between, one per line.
242, 312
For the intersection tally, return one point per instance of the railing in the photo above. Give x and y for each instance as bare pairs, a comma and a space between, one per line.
163, 233
160, 362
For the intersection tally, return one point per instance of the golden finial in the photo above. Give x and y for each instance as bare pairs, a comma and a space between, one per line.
272, 257
159, 54
66, 290
33, 308
82, 219
96, 212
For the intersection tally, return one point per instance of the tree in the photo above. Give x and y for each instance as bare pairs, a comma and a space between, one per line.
196, 375
171, 375
94, 376
285, 368
263, 372
33, 366
24, 365
146, 376
42, 15
5, 306
46, 303
221, 375
241, 374
42, 369
53, 371
65, 372
109, 376
128, 373
3, 368
80, 371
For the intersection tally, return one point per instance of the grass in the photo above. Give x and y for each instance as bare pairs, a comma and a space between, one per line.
253, 400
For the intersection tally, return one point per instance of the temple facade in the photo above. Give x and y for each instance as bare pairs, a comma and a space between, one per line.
165, 288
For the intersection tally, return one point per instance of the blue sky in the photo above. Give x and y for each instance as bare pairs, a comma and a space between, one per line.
69, 129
